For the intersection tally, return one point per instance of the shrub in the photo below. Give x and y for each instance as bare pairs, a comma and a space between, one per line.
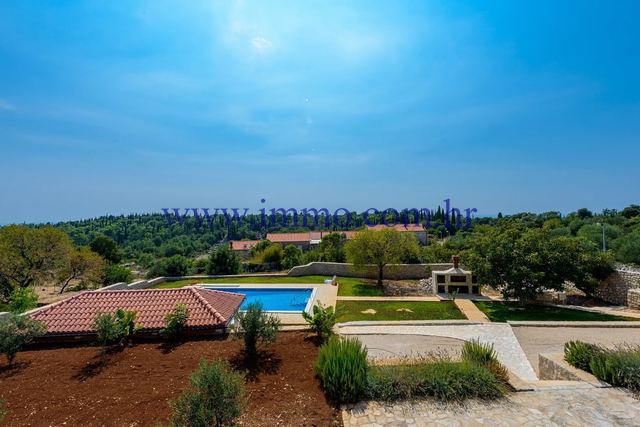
115, 327
23, 299
17, 331
215, 396
175, 322
440, 378
485, 355
256, 327
342, 367
579, 354
3, 410
107, 328
322, 321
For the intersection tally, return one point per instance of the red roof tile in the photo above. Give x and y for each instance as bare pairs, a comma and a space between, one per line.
208, 308
243, 245
288, 237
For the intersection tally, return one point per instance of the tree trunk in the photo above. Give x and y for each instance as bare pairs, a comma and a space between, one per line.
380, 269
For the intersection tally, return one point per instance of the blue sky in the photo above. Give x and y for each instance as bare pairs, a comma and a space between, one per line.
121, 107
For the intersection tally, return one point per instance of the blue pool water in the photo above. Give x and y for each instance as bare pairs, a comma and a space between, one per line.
273, 299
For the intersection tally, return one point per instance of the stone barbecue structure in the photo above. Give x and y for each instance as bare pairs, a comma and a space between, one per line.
455, 279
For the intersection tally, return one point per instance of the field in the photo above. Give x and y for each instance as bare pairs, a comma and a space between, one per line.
131, 387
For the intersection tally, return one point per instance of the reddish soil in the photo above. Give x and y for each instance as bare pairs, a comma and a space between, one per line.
131, 386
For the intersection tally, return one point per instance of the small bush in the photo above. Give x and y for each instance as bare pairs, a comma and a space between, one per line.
116, 327
3, 411
256, 327
619, 367
342, 367
476, 352
175, 322
108, 330
579, 354
17, 331
439, 378
23, 299
215, 396
485, 355
322, 321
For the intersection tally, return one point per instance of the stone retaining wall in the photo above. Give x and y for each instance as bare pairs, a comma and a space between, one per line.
142, 284
396, 272
614, 289
554, 367
633, 298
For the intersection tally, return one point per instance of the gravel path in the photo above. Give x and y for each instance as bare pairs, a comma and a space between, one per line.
536, 340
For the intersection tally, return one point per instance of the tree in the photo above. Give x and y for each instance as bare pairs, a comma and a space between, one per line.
23, 299
332, 247
215, 396
16, 331
114, 273
107, 248
29, 256
524, 263
175, 322
380, 248
224, 261
292, 256
256, 327
82, 264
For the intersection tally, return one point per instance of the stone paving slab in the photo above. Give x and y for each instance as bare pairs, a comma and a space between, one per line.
470, 311
499, 334
567, 407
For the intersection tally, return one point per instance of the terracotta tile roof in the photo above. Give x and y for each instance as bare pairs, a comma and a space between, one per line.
242, 245
399, 227
288, 237
208, 308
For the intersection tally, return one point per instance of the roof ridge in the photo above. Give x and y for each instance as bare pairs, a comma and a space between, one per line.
196, 292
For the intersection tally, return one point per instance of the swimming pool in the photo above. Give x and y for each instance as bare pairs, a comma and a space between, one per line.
273, 299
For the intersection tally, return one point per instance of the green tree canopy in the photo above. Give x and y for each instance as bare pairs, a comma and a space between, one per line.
107, 248
380, 248
224, 261
29, 256
524, 263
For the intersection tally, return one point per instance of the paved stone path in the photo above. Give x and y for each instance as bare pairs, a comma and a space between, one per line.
570, 407
499, 334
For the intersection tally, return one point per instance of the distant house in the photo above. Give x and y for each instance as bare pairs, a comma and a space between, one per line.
210, 311
242, 247
301, 240
418, 230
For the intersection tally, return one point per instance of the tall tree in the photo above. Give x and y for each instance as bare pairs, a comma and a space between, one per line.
81, 264
107, 248
380, 248
523, 263
29, 256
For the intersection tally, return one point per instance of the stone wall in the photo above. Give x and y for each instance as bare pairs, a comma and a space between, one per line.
554, 367
614, 289
396, 272
633, 298
142, 284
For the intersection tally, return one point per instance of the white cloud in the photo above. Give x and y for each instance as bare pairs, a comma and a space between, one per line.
261, 43
5, 105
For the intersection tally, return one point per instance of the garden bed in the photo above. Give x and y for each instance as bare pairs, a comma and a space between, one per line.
72, 385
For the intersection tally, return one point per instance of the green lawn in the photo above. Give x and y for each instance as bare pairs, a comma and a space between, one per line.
4, 307
349, 311
501, 312
348, 286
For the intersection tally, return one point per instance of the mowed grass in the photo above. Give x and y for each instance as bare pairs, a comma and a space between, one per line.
347, 286
349, 311
503, 311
